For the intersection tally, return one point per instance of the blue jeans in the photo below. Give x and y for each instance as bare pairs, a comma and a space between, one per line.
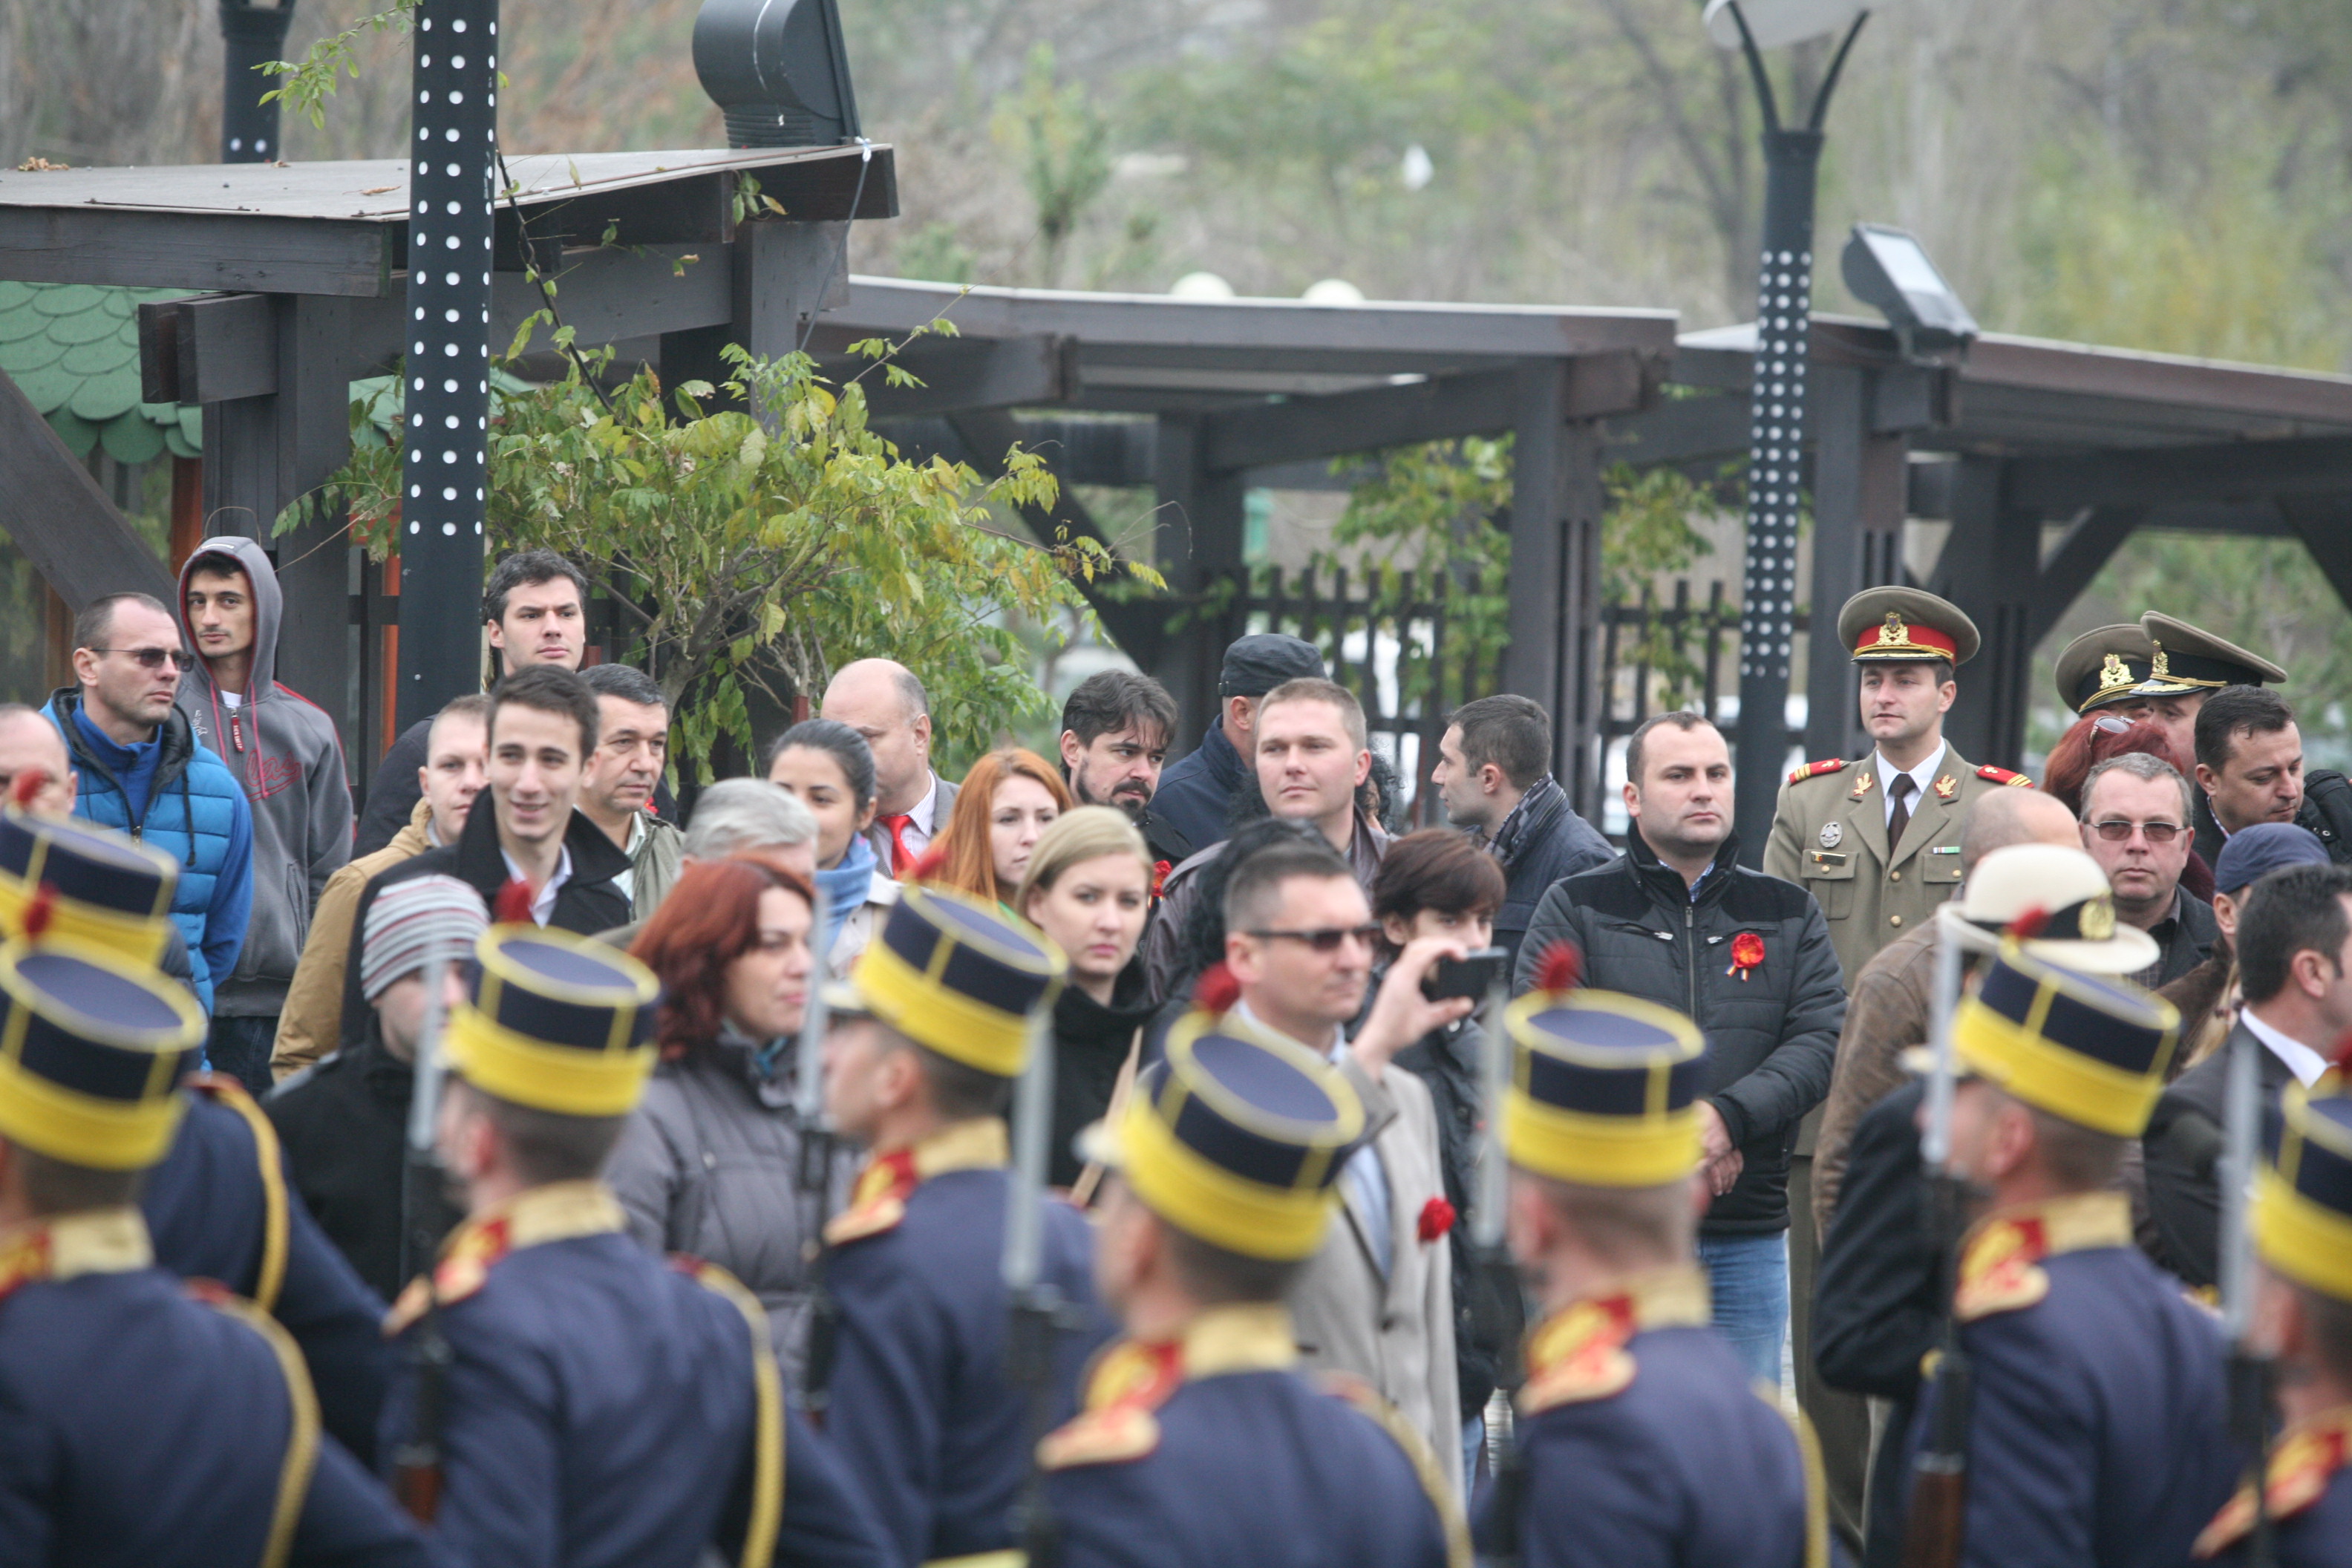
1749, 1275
240, 1048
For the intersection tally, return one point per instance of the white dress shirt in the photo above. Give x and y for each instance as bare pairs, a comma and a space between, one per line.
542, 908
2300, 1059
1922, 777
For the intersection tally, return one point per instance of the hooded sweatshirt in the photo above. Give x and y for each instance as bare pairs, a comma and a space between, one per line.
284, 750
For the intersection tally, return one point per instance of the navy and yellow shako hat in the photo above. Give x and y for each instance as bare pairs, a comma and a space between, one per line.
960, 978
107, 888
1237, 1138
557, 1022
92, 1050
2302, 1198
2089, 1049
1605, 1089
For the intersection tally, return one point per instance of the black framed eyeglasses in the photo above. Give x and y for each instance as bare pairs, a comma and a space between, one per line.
2121, 832
1326, 939
153, 658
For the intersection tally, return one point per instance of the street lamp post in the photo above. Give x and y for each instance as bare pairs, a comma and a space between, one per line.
445, 473
1768, 607
253, 33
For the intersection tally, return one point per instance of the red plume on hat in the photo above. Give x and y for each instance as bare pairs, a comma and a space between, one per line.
2029, 925
39, 912
1560, 968
1216, 991
512, 906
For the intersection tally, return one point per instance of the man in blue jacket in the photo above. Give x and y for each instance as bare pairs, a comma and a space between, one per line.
1196, 794
143, 773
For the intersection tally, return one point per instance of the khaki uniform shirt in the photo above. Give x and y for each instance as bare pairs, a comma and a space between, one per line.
1829, 836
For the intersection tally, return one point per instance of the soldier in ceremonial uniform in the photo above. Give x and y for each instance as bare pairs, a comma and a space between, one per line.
1200, 1444
930, 1031
589, 1404
2303, 1309
218, 1207
2098, 1432
1640, 1443
142, 1421
1878, 842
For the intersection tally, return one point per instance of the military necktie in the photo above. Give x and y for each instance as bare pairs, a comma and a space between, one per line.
1900, 792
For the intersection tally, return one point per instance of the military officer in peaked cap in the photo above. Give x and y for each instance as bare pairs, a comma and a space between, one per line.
143, 1420
1200, 1444
930, 1030
1640, 1443
1878, 842
2098, 1430
2159, 669
218, 1207
2303, 1306
567, 1397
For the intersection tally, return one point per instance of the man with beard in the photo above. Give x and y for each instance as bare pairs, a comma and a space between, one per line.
1116, 728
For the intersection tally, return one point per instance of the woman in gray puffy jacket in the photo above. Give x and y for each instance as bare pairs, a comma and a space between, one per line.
710, 1162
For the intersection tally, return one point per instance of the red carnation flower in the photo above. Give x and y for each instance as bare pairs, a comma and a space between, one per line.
1436, 1219
1747, 952
1159, 869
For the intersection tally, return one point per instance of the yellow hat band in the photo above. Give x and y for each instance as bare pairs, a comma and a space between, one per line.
2308, 1242
143, 937
82, 1129
1600, 1151
560, 1078
938, 1018
2048, 1075
1204, 1200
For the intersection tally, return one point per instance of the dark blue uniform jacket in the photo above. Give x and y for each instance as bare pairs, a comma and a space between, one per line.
2099, 1432
2310, 1493
1249, 1468
921, 1407
1646, 1447
600, 1405
208, 1207
142, 1428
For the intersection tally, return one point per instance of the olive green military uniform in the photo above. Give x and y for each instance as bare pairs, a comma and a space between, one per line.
1829, 831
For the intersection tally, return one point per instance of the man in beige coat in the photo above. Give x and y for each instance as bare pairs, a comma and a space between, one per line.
457, 752
1376, 1301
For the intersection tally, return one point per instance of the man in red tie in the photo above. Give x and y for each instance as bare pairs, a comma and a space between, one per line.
882, 700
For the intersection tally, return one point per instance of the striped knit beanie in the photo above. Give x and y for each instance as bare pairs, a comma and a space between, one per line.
412, 923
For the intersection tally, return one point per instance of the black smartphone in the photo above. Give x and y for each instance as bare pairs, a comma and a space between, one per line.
1472, 975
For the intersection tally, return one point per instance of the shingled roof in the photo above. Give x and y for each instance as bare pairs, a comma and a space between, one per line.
73, 350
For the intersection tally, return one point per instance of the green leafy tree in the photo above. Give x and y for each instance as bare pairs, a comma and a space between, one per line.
760, 550
1063, 145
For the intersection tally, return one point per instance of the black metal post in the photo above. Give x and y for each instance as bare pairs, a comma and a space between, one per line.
252, 35
452, 151
1776, 450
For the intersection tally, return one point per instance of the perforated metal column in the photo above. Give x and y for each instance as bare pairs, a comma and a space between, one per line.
1776, 453
453, 145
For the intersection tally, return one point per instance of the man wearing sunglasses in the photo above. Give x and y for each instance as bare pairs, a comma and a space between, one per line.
143, 773
2136, 823
1377, 1298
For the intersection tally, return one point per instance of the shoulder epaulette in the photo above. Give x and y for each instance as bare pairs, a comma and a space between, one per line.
25, 1260
463, 1269
2001, 1271
1814, 769
2305, 1460
1125, 1382
270, 1275
1407, 1436
878, 1203
1578, 1356
2003, 776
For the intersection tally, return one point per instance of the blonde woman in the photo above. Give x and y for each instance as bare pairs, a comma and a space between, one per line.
1088, 886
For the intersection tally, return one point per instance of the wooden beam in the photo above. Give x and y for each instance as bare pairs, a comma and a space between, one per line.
1858, 500
80, 546
2326, 530
2152, 476
1304, 429
2087, 545
1980, 564
969, 373
1678, 430
195, 251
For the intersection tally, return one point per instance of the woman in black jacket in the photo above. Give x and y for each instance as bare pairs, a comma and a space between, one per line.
1088, 886
1438, 882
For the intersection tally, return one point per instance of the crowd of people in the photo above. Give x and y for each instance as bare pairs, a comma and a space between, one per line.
548, 1171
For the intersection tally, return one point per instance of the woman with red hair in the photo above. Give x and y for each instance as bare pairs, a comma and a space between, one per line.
1004, 804
2092, 741
708, 1164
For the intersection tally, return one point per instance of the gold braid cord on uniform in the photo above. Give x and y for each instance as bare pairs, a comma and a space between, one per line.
1817, 1501
302, 1441
1450, 1517
768, 1401
271, 1275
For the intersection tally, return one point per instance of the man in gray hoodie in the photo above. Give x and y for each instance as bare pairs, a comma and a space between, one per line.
286, 752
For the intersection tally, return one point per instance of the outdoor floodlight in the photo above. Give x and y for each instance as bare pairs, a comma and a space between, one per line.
778, 72
1772, 23
1888, 268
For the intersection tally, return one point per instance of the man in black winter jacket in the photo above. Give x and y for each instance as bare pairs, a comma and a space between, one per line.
1676, 920
1493, 778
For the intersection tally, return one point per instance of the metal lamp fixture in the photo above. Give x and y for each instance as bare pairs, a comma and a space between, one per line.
1776, 451
253, 33
1889, 269
778, 72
